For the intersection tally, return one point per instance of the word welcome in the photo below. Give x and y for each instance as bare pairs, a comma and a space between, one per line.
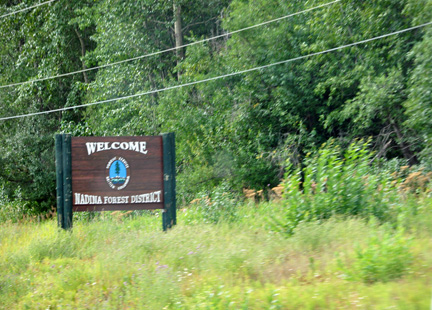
83, 199
137, 146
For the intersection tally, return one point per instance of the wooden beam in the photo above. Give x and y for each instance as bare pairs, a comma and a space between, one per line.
169, 215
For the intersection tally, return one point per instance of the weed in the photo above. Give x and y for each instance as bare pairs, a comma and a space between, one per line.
217, 206
386, 256
110, 264
337, 183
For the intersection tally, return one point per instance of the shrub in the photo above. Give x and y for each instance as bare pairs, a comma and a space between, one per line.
16, 209
219, 205
385, 257
337, 183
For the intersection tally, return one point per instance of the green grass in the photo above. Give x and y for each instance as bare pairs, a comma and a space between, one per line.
127, 262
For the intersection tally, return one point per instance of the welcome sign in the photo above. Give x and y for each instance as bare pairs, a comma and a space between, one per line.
115, 173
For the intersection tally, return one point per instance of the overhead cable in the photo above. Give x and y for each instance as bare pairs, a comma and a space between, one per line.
26, 9
170, 49
221, 76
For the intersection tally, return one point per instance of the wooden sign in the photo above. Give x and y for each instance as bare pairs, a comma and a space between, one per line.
115, 173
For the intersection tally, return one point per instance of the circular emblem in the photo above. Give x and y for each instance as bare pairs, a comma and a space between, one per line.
117, 173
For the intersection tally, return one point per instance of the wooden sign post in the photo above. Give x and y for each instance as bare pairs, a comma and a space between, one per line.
115, 173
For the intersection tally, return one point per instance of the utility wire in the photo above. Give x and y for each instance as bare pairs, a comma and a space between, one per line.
172, 48
221, 76
26, 9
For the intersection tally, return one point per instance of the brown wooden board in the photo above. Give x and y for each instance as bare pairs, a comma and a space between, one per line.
117, 173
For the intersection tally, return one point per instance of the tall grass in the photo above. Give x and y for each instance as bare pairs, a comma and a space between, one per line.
111, 262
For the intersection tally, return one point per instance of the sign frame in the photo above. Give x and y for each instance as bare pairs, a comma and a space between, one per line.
65, 173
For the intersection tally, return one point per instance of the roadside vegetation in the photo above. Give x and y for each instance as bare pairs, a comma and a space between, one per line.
352, 234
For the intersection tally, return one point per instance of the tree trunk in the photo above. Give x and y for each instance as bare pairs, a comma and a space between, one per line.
178, 34
410, 156
83, 51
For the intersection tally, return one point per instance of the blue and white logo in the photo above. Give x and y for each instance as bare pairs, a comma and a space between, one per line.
118, 173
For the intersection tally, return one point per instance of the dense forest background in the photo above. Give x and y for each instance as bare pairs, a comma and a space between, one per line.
241, 130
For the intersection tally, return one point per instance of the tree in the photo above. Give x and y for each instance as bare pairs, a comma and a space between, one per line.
419, 102
240, 129
117, 168
38, 43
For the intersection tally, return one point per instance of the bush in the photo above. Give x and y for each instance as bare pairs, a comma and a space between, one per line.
219, 205
12, 210
337, 183
385, 257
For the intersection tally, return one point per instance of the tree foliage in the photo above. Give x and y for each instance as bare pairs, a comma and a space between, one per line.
240, 129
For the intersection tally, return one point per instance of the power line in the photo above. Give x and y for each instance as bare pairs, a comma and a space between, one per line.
27, 8
172, 48
221, 76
